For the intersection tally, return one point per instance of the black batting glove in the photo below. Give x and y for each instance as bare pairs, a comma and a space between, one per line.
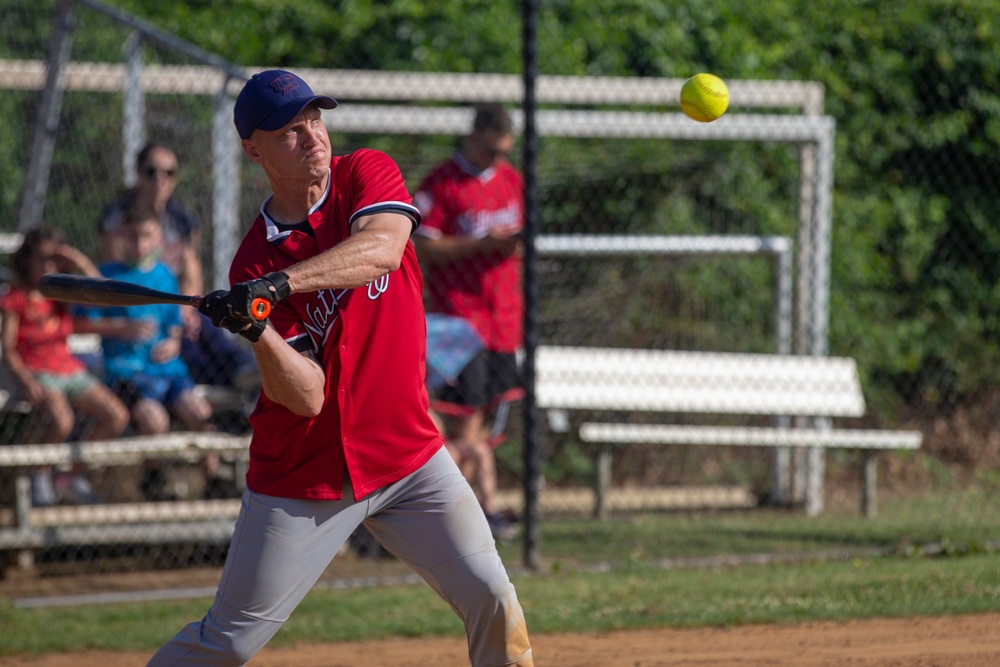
216, 307
272, 286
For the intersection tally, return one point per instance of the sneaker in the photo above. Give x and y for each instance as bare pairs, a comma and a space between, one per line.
154, 486
503, 531
76, 489
43, 493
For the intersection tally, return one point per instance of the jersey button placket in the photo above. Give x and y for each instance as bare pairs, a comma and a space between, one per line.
344, 431
343, 351
343, 392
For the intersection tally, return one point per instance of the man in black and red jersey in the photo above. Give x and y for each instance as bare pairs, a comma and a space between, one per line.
469, 242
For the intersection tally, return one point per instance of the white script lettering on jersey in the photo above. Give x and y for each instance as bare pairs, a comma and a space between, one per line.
323, 313
479, 223
377, 287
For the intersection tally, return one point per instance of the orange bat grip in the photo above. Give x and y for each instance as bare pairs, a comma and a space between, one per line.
260, 308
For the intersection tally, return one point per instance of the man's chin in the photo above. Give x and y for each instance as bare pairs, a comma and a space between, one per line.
318, 165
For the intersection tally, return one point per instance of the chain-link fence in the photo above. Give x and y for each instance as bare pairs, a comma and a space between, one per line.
714, 246
120, 126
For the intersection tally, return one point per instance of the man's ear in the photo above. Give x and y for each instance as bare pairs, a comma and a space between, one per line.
251, 150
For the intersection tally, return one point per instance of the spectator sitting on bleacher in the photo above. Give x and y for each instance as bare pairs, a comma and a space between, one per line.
212, 356
34, 333
141, 347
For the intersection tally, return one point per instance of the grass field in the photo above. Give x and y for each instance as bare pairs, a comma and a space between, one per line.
951, 522
642, 572
634, 597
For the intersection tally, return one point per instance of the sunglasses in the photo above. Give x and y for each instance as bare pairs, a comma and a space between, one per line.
151, 172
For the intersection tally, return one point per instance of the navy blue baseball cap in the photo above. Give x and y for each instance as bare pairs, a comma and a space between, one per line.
271, 99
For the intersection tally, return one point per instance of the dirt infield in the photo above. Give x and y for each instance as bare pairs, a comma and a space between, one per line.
955, 641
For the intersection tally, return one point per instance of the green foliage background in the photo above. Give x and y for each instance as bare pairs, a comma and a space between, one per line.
914, 88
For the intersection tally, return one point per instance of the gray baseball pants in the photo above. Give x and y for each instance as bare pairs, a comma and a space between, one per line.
430, 519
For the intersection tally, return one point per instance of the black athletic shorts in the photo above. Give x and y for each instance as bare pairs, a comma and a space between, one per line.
490, 378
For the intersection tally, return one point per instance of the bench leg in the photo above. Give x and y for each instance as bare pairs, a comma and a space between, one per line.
22, 505
816, 470
869, 480
602, 481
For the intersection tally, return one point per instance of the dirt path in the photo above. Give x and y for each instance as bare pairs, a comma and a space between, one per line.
955, 641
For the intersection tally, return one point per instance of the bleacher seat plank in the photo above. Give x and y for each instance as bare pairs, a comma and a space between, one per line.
697, 382
749, 436
173, 532
635, 499
125, 513
124, 450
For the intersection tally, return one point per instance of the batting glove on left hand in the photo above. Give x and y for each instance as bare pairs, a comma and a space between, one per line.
272, 287
216, 306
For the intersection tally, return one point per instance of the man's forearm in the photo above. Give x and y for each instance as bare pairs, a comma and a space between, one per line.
370, 253
287, 377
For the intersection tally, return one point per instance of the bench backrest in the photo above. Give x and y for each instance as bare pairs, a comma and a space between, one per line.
697, 382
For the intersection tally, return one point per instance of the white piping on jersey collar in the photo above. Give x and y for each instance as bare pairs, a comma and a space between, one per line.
471, 169
273, 234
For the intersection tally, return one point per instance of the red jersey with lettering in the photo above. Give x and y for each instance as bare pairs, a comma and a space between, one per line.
370, 341
43, 327
457, 199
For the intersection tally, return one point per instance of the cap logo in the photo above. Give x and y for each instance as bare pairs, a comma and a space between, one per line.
285, 83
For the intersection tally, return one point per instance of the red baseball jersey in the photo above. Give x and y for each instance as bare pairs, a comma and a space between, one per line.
457, 199
370, 341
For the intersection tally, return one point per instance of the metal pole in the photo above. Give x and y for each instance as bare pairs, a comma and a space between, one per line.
781, 482
805, 280
226, 197
531, 449
819, 316
36, 178
133, 108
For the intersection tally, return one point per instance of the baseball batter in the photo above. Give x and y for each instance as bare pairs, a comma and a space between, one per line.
341, 432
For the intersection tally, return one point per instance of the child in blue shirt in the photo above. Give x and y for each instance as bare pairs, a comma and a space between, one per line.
142, 345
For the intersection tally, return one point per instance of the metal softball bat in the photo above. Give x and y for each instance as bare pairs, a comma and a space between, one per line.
106, 292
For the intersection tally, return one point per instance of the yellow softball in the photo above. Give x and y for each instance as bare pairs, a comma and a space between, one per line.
704, 97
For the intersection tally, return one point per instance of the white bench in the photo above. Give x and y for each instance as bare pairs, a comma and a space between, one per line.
24, 528
183, 521
696, 383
